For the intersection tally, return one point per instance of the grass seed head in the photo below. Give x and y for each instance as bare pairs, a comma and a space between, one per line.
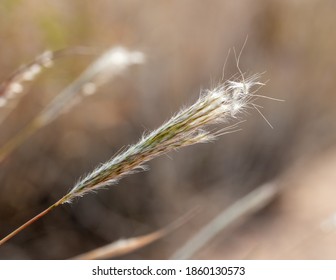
189, 126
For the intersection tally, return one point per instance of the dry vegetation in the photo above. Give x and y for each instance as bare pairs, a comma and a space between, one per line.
186, 44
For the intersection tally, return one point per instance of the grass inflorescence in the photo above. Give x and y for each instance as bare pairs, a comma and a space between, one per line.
190, 126
187, 127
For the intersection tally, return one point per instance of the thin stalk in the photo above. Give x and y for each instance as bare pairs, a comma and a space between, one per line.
31, 221
248, 205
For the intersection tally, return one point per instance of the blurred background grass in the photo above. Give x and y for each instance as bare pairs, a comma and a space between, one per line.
186, 44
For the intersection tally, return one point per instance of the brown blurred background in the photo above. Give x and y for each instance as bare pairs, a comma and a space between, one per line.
186, 43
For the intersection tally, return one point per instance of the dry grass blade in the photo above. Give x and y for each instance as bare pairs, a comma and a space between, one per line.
12, 89
110, 64
250, 204
129, 245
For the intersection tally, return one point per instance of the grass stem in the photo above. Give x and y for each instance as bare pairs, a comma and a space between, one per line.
31, 221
